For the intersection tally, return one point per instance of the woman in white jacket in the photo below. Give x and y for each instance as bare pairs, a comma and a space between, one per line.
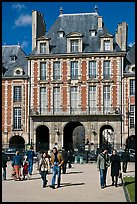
44, 168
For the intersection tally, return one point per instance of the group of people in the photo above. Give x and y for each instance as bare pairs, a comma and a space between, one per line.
104, 161
57, 161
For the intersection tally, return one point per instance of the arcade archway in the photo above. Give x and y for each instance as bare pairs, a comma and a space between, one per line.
17, 142
74, 135
42, 138
107, 136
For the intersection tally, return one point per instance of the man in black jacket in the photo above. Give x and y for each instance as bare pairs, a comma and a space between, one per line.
4, 164
125, 159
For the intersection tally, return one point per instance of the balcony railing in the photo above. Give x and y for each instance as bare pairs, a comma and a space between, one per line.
76, 111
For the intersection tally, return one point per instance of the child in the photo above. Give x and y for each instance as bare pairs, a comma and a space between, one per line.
25, 170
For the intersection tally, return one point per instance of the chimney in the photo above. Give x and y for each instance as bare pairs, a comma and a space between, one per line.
38, 27
121, 36
100, 22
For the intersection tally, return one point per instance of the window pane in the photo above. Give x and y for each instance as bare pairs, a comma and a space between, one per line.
17, 118
17, 94
56, 70
92, 99
42, 71
106, 98
74, 70
132, 86
56, 98
42, 47
106, 69
74, 98
74, 45
107, 45
43, 100
92, 69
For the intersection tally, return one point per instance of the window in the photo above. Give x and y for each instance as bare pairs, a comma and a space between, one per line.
92, 33
74, 70
107, 45
43, 71
17, 94
56, 98
13, 58
92, 99
106, 69
74, 45
132, 86
74, 99
92, 69
43, 100
43, 48
16, 118
56, 70
106, 99
132, 116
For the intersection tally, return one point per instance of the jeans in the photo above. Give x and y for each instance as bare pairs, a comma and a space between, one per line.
4, 173
56, 170
43, 176
30, 167
103, 173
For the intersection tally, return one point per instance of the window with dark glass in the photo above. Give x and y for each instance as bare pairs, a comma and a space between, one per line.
92, 69
17, 118
74, 45
43, 71
106, 69
56, 70
132, 116
17, 94
74, 70
132, 86
43, 48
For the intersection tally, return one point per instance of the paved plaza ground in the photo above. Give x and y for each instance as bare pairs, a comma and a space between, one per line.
79, 184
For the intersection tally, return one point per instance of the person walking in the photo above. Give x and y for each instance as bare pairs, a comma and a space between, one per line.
103, 162
115, 167
4, 164
70, 158
30, 154
39, 156
17, 163
125, 159
65, 158
56, 163
44, 167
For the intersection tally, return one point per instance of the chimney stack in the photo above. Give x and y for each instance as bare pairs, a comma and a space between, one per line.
121, 36
100, 23
38, 27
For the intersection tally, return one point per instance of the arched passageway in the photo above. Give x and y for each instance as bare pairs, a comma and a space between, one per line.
74, 135
106, 137
42, 138
17, 142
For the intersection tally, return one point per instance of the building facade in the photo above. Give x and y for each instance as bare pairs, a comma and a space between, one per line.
77, 85
14, 97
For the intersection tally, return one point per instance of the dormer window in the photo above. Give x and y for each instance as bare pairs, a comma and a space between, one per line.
61, 33
106, 45
43, 48
13, 58
92, 33
43, 45
74, 42
74, 45
18, 72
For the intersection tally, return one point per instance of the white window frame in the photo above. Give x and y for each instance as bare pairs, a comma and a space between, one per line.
107, 45
106, 69
132, 116
17, 118
43, 71
56, 70
92, 69
92, 99
74, 45
43, 100
132, 87
74, 72
56, 100
106, 99
17, 91
74, 98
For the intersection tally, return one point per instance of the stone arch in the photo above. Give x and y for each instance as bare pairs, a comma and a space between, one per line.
17, 142
42, 138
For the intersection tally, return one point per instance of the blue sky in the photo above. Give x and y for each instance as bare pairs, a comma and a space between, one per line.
16, 18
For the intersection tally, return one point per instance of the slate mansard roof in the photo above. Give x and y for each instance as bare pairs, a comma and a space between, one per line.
8, 65
82, 23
